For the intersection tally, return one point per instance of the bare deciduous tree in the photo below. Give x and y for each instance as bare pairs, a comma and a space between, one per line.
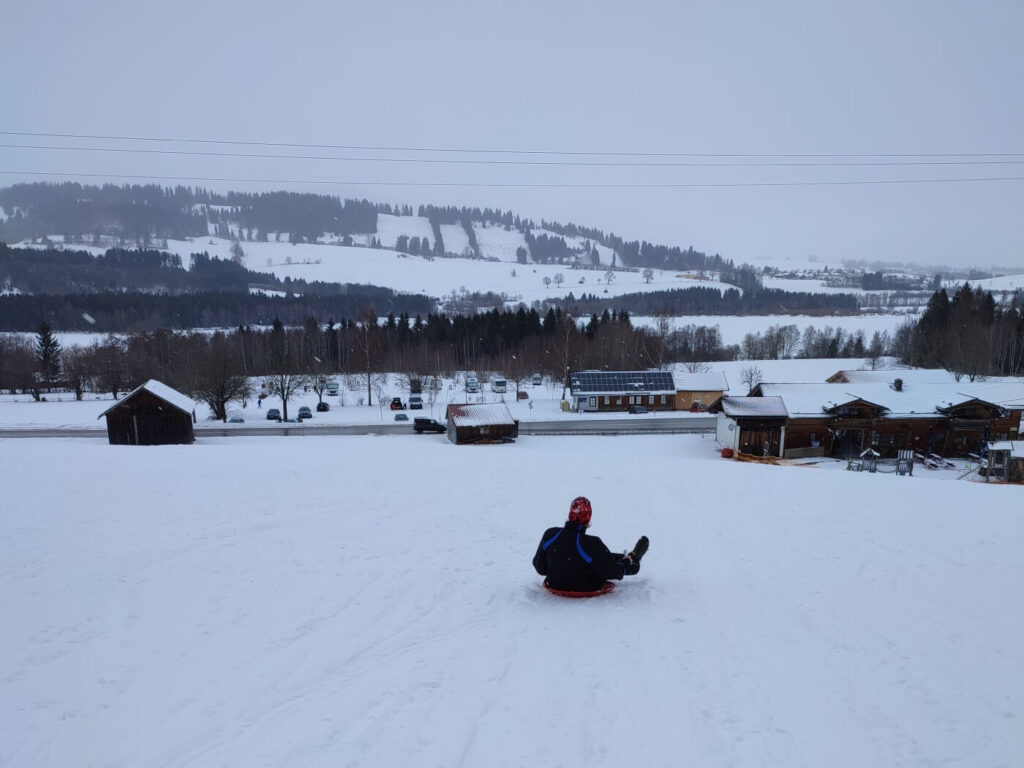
750, 376
283, 357
217, 376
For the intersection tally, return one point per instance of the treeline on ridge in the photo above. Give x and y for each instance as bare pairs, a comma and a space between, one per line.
146, 214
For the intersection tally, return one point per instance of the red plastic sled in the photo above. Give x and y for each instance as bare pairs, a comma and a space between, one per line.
603, 589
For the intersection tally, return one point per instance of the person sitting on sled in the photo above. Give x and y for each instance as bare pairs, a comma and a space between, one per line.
573, 561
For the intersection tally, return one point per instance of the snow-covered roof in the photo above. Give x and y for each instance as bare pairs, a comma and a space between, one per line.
913, 399
771, 407
1015, 447
164, 392
701, 382
910, 376
479, 414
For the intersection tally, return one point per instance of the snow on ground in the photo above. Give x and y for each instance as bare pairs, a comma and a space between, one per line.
455, 238
389, 228
732, 328
808, 286
414, 274
356, 601
498, 243
1002, 283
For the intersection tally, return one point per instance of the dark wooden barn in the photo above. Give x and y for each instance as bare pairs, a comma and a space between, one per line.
152, 414
481, 423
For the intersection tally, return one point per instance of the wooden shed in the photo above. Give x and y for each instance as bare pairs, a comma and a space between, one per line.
751, 425
152, 414
696, 391
1005, 462
481, 423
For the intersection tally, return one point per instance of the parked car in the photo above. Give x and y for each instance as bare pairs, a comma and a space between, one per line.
401, 417
415, 402
537, 379
273, 414
305, 413
332, 388
638, 409
499, 385
236, 420
522, 394
698, 407
428, 425
397, 404
322, 406
472, 384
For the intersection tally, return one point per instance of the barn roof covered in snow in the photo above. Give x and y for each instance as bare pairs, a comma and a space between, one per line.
159, 389
479, 414
764, 407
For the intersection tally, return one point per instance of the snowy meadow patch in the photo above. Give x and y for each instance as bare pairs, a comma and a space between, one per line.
287, 601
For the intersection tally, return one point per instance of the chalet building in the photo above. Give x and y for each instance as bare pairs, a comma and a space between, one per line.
603, 391
696, 391
152, 414
481, 423
846, 418
751, 425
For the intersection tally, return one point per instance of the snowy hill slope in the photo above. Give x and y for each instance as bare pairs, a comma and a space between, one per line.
499, 243
783, 616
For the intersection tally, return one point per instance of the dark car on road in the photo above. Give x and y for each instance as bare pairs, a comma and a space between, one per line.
638, 409
322, 406
397, 404
273, 414
305, 413
428, 425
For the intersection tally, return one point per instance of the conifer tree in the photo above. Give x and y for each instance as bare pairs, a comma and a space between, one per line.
47, 356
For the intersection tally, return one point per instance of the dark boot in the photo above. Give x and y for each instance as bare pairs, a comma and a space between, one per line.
640, 549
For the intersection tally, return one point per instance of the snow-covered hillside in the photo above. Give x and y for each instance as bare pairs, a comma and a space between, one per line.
330, 601
390, 228
496, 242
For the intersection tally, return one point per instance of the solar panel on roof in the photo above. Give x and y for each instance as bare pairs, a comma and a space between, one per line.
622, 381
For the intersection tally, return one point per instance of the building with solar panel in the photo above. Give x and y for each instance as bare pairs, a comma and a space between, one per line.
619, 390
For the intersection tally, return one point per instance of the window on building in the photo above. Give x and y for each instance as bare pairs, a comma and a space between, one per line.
592, 402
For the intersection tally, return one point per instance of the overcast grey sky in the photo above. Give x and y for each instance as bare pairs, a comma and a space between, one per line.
928, 90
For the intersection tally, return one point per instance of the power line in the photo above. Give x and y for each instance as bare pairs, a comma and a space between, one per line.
523, 185
467, 150
572, 163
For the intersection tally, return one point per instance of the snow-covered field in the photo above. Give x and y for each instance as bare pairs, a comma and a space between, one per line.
433, 277
369, 601
732, 328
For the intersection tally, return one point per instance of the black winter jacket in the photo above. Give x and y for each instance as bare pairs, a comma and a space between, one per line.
574, 561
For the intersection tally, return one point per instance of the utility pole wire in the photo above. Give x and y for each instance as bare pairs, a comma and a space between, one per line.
455, 150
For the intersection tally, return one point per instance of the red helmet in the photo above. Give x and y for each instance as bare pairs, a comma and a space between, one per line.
579, 510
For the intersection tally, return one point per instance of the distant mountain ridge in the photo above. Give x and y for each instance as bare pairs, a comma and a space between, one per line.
144, 215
